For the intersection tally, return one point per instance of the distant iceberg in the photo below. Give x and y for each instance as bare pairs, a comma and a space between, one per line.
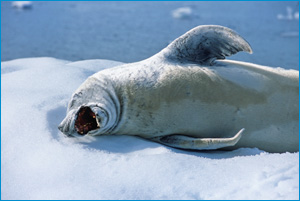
289, 15
296, 15
22, 4
182, 13
290, 34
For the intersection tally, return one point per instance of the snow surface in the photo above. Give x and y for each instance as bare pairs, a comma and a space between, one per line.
38, 162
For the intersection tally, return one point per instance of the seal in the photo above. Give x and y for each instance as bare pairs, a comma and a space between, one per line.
187, 97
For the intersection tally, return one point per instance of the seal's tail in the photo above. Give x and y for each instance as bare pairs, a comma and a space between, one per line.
205, 44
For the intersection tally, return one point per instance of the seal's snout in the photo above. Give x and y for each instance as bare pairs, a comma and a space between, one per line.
64, 126
85, 121
60, 127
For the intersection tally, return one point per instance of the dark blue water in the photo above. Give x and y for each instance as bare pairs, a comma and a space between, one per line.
132, 31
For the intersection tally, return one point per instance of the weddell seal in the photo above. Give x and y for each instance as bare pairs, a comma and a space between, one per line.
184, 98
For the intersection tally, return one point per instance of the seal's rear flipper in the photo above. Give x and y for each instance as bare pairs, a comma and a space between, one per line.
184, 142
205, 44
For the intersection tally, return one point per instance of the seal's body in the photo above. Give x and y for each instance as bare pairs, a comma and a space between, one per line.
181, 98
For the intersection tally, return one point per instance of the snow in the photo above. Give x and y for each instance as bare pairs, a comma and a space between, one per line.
38, 162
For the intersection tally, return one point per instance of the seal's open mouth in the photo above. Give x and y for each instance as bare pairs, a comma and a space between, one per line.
86, 121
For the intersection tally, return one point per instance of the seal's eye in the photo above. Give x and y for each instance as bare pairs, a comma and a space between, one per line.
86, 121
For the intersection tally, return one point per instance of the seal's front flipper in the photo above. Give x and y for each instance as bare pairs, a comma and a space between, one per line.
205, 44
185, 142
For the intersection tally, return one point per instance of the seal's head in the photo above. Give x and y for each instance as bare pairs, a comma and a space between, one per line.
93, 109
